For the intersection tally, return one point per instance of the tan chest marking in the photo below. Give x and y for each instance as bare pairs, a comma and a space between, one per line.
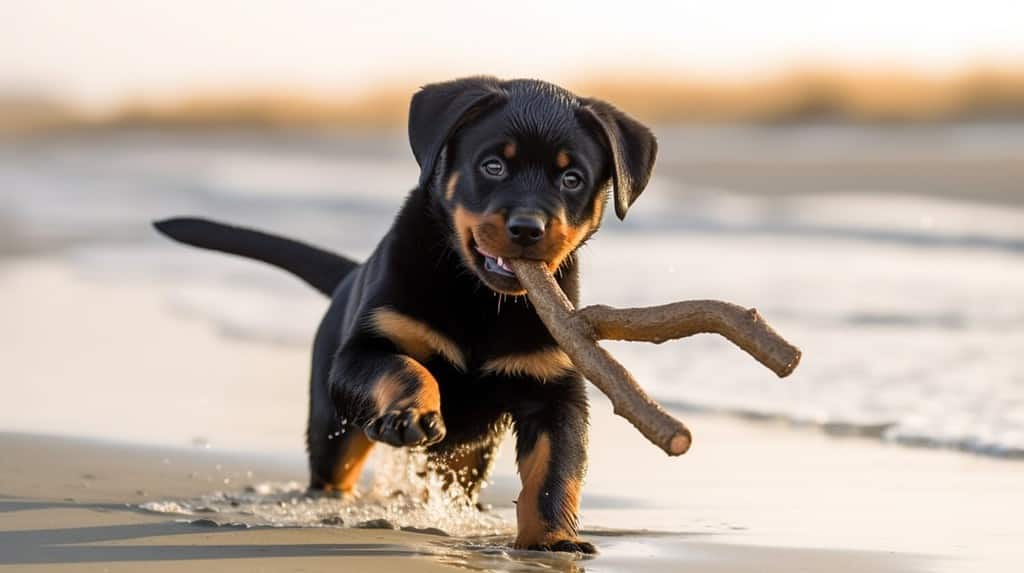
415, 338
543, 365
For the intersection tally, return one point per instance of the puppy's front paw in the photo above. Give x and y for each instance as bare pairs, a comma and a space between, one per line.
408, 427
567, 546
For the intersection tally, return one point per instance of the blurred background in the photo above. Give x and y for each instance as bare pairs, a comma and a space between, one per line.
853, 170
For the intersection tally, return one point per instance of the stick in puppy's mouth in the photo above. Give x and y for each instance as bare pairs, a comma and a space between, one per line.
577, 332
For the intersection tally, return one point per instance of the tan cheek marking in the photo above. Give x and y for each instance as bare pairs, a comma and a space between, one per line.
416, 338
543, 365
562, 160
510, 150
463, 222
490, 234
566, 238
487, 230
533, 469
449, 190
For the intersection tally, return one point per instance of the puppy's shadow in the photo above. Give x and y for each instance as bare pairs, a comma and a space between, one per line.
12, 504
93, 544
73, 544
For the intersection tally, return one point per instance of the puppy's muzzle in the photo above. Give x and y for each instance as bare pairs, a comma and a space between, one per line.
525, 229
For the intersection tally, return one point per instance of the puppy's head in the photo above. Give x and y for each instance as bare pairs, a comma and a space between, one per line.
522, 169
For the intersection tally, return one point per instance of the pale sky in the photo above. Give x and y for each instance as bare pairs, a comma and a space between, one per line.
103, 52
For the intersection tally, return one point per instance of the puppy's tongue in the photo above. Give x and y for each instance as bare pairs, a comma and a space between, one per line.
503, 264
498, 265
495, 264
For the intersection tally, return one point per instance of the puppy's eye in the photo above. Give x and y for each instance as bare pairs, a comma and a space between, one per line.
493, 167
571, 181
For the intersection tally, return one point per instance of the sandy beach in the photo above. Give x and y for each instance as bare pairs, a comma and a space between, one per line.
201, 416
849, 174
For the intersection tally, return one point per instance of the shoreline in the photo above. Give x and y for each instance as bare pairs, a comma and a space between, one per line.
218, 354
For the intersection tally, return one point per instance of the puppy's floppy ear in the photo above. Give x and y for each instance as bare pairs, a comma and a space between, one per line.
633, 150
438, 110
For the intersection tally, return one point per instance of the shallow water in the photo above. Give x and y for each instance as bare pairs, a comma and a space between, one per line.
904, 290
403, 494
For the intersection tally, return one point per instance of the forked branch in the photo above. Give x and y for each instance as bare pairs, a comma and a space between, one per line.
577, 332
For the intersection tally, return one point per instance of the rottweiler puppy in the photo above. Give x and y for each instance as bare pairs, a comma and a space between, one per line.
430, 342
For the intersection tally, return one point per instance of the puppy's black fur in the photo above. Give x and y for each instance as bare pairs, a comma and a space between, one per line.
429, 342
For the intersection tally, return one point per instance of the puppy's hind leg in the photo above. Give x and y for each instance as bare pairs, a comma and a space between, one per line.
337, 447
337, 453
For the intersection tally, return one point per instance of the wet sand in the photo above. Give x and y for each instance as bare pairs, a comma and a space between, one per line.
750, 496
72, 504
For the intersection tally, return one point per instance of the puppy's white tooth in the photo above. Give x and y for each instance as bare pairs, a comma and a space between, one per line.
501, 262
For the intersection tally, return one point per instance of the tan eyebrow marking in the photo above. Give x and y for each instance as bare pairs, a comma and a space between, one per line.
510, 150
562, 160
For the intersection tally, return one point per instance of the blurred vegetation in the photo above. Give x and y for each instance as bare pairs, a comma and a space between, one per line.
23, 111
818, 95
813, 95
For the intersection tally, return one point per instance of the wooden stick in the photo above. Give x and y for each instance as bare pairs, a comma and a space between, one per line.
743, 327
577, 332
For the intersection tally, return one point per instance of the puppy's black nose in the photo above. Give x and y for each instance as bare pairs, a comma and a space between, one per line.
525, 229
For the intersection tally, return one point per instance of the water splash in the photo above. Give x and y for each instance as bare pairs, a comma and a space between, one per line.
406, 493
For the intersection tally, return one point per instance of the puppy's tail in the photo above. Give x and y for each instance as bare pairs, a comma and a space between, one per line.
321, 269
